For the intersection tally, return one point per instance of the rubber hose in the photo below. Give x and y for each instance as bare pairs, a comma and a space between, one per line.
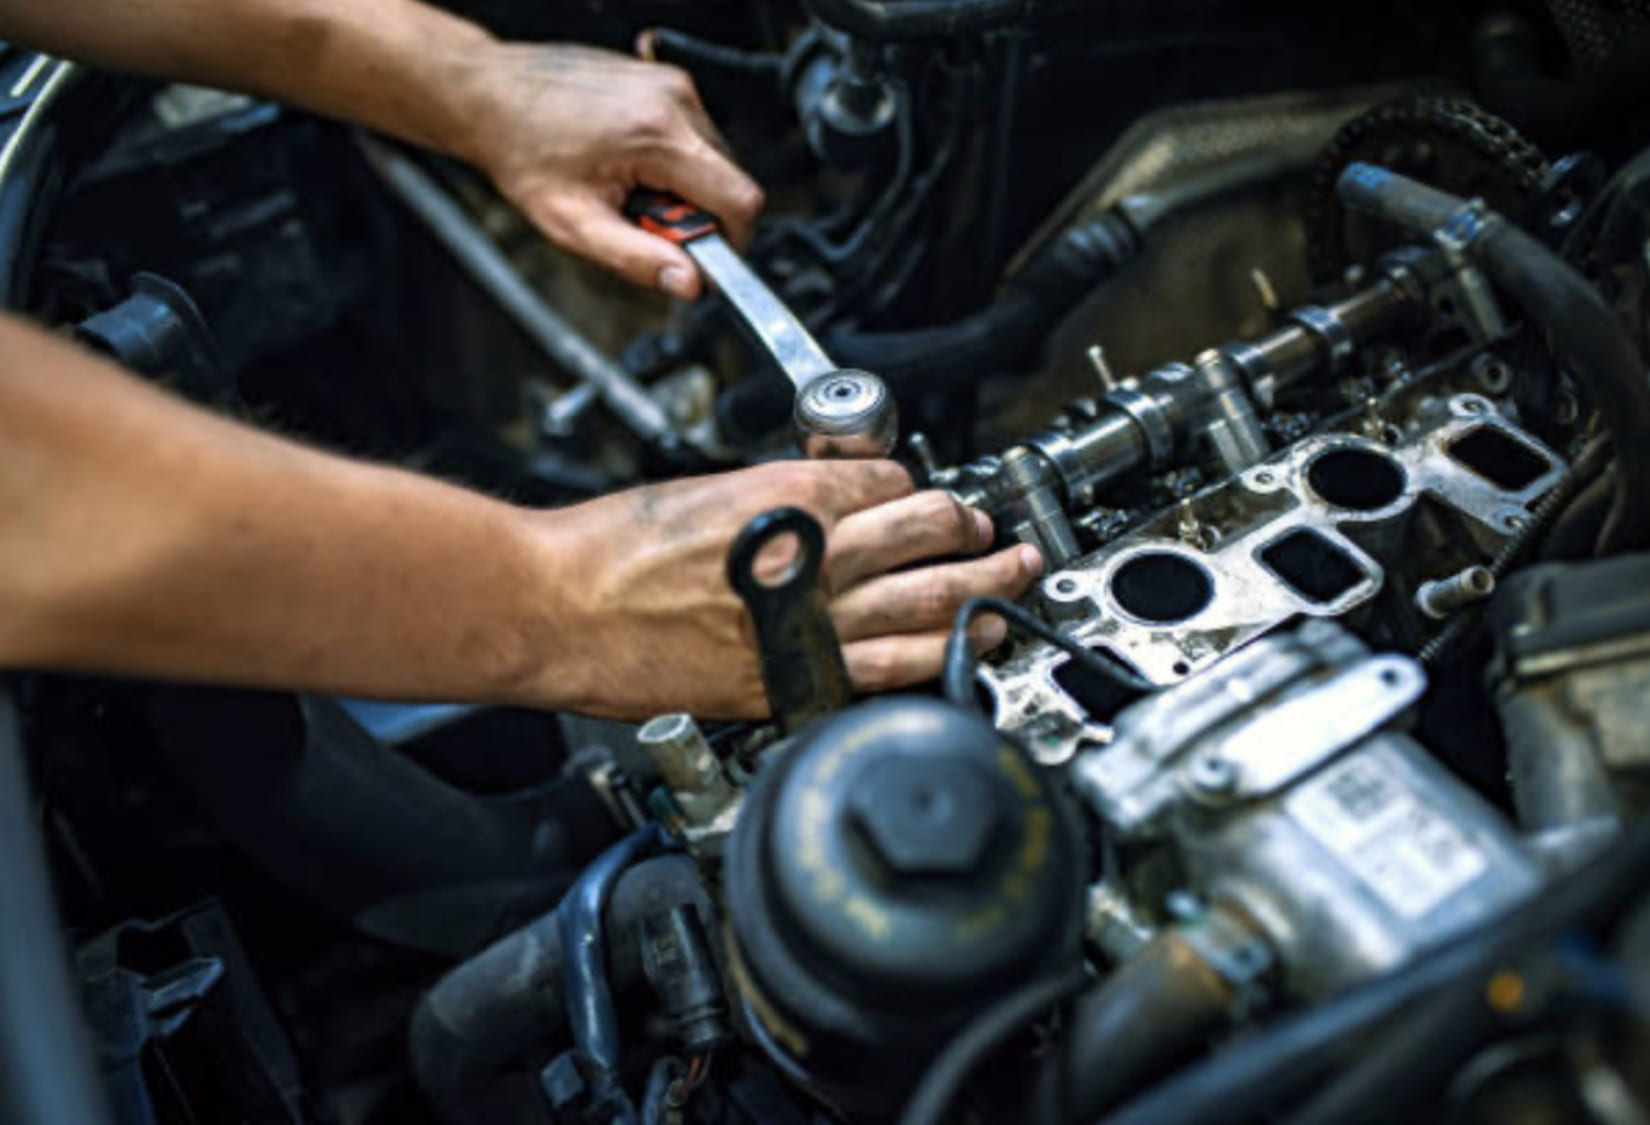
1153, 1013
1588, 340
485, 1016
1276, 1065
1581, 331
364, 832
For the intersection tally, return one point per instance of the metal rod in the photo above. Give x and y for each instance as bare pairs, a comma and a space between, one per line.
483, 261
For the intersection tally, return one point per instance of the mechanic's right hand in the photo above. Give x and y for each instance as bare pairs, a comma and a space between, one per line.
661, 630
567, 133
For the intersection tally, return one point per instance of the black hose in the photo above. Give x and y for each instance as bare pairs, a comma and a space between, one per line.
1418, 1006
364, 832
487, 1015
661, 1077
1580, 329
583, 940
692, 53
1415, 1057
957, 674
46, 1071
883, 21
1150, 1015
943, 1080
1274, 1066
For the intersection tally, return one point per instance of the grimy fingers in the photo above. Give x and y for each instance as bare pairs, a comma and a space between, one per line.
695, 169
926, 525
890, 663
918, 601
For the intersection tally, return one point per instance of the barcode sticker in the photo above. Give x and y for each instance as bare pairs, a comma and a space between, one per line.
1408, 854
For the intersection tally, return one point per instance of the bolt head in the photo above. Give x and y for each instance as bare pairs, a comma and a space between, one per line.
926, 816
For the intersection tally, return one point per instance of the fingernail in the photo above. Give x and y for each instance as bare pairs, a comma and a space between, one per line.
1031, 560
677, 280
993, 632
982, 524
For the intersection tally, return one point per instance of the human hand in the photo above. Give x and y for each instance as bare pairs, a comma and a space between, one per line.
567, 133
661, 630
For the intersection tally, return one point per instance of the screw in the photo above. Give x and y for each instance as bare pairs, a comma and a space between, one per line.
1215, 776
1097, 360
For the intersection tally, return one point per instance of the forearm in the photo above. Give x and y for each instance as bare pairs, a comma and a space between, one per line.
395, 65
145, 536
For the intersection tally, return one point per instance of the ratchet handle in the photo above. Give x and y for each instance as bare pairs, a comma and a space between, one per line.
669, 216
801, 657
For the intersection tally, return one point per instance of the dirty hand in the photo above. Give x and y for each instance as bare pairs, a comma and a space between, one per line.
662, 630
568, 132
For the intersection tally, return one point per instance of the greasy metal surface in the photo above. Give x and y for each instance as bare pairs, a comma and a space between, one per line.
1276, 780
801, 657
1234, 523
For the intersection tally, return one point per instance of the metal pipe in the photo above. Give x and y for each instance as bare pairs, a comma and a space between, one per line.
488, 267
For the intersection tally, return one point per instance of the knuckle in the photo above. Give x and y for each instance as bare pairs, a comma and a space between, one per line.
677, 83
875, 667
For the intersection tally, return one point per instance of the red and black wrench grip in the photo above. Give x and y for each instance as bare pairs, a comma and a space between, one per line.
668, 216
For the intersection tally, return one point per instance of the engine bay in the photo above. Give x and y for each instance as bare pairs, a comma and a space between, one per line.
1307, 348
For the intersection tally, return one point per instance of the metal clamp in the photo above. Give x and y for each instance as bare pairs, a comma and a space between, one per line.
801, 657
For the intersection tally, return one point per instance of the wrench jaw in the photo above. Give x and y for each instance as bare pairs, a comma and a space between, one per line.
846, 415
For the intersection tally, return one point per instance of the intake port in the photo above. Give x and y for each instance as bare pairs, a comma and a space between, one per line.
1162, 588
1502, 460
1359, 480
1312, 566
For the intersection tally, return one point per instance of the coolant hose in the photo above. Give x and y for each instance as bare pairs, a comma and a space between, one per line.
487, 1015
1579, 328
1154, 1012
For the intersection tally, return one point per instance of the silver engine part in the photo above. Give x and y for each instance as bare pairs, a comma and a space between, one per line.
1316, 532
1281, 788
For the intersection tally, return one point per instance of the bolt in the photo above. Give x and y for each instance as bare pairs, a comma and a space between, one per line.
1441, 597
1102, 369
1191, 532
924, 815
1265, 290
1215, 776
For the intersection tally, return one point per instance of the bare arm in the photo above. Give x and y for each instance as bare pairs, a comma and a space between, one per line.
142, 535
566, 132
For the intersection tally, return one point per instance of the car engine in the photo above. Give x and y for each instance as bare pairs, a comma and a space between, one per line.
1308, 346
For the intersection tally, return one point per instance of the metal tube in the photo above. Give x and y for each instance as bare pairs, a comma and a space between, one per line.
489, 268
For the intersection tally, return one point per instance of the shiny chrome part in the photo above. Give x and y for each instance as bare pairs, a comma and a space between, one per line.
1443, 596
846, 414
776, 328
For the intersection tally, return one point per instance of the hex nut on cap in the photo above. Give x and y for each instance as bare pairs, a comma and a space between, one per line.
923, 817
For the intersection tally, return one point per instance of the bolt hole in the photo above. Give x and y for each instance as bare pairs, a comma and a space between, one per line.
1181, 668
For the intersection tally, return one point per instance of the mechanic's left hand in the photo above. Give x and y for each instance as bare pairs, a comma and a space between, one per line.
568, 132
